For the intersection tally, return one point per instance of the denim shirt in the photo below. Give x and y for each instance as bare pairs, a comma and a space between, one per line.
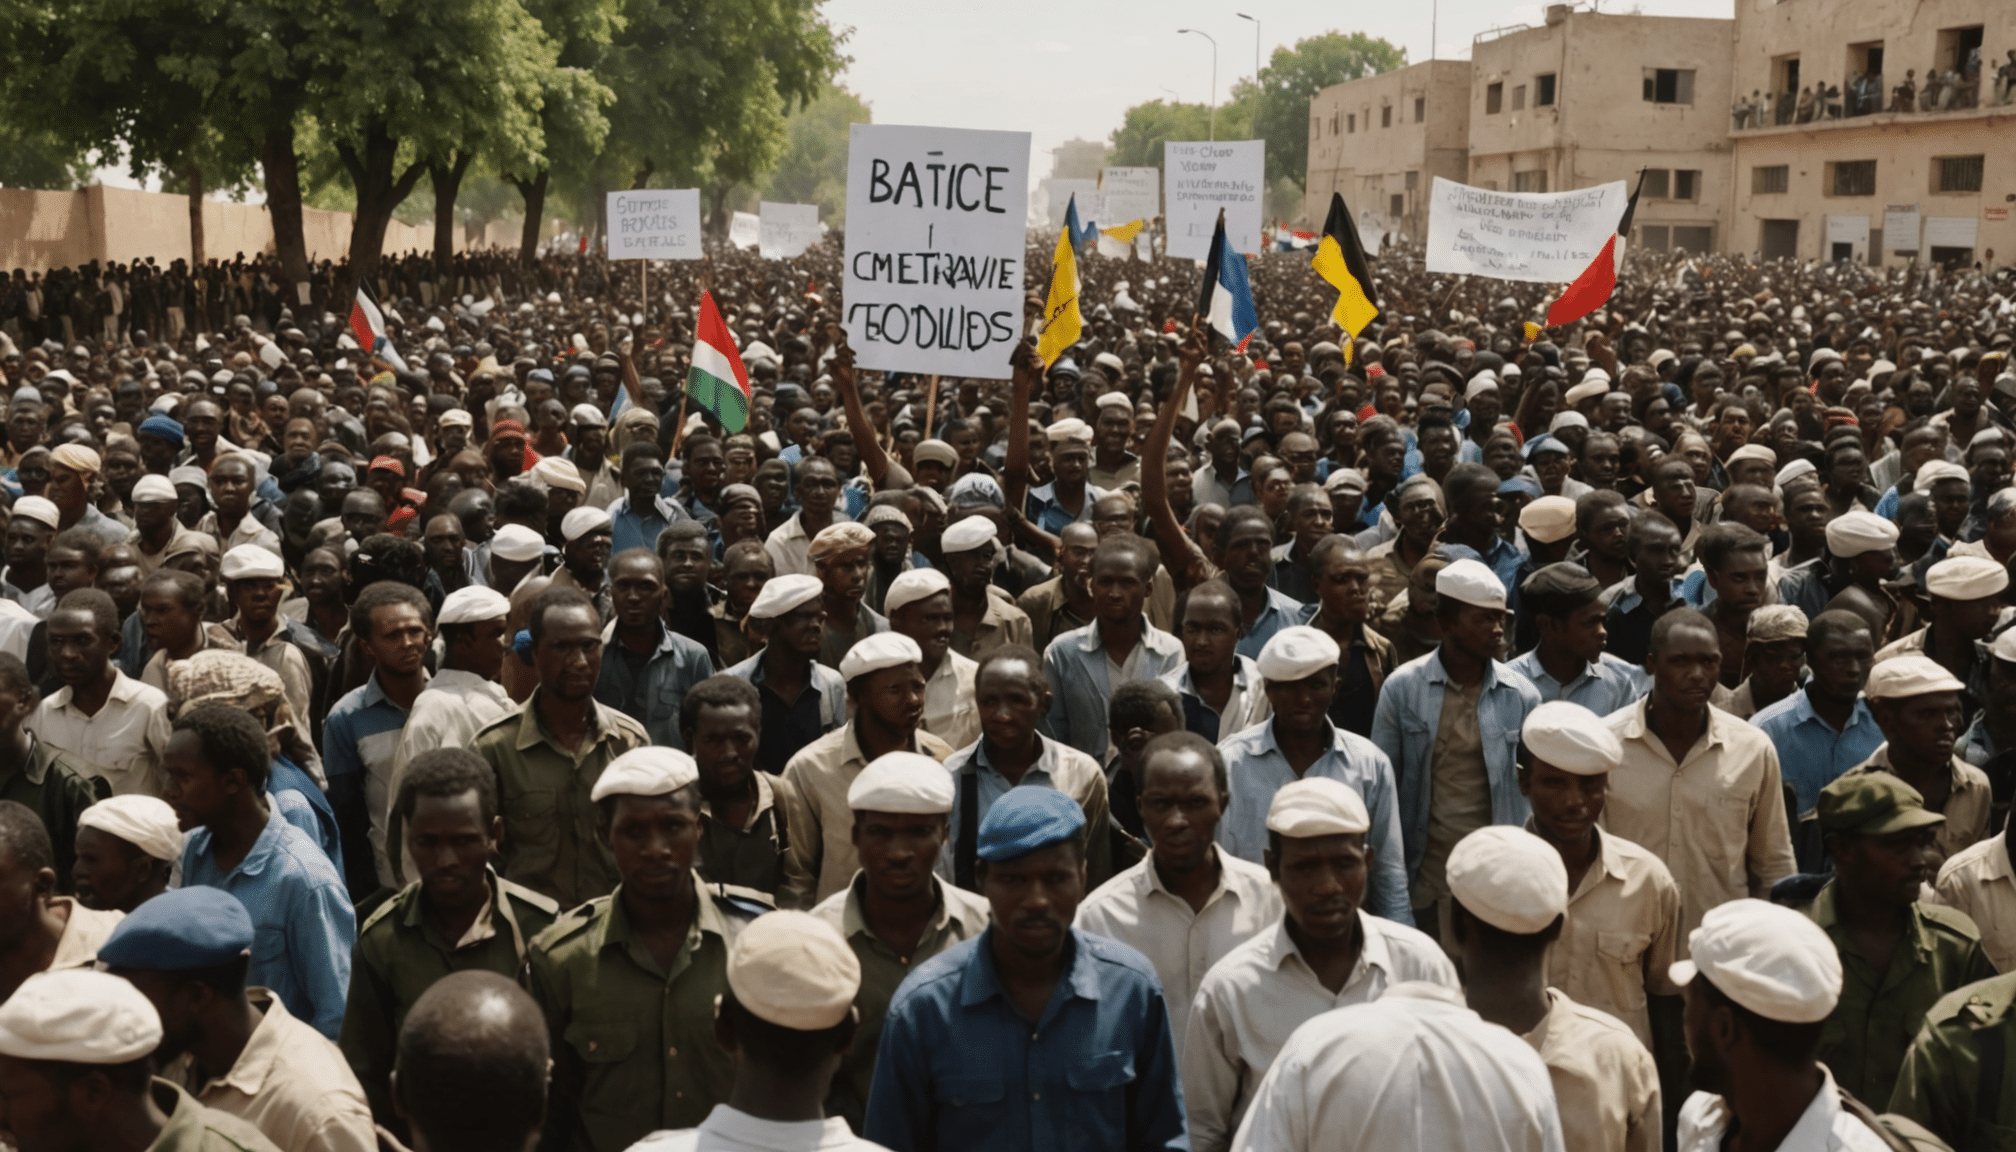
1075, 665
1811, 754
960, 1067
1603, 688
1410, 708
1282, 611
1046, 513
653, 700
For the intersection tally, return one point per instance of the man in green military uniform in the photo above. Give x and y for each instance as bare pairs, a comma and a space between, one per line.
458, 916
47, 779
1898, 957
1956, 1079
628, 981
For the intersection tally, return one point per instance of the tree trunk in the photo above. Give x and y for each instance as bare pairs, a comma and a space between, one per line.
282, 168
195, 180
534, 192
379, 190
447, 179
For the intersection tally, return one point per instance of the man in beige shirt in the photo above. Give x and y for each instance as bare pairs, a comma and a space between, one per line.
187, 952
1509, 889
1916, 702
1979, 881
919, 604
1697, 787
112, 724
56, 932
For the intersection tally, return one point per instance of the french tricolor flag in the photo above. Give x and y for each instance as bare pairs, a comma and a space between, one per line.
1226, 301
367, 323
1592, 289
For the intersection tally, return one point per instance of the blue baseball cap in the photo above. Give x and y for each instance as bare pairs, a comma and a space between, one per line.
1526, 484
180, 930
1027, 818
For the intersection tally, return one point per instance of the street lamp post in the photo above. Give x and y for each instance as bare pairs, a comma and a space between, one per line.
1211, 118
1256, 45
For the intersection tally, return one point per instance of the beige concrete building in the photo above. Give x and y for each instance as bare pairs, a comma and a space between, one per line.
1588, 98
1874, 130
1381, 141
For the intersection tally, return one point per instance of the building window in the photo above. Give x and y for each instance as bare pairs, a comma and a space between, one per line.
1494, 99
1959, 174
1351, 122
1397, 205
1413, 181
1770, 178
1669, 85
1852, 178
1420, 109
1653, 237
1543, 91
1518, 97
1686, 184
1696, 238
1535, 181
1386, 116
1657, 184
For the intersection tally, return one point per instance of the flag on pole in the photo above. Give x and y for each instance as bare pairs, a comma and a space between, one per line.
1062, 322
717, 381
1080, 236
1592, 289
1226, 301
367, 323
1117, 242
1340, 259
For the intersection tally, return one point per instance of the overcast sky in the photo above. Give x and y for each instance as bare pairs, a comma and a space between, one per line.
1060, 69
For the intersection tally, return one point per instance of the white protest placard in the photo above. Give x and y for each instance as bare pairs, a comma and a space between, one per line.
1547, 237
1130, 194
1198, 179
788, 229
935, 225
744, 229
655, 224
1057, 194
1900, 227
1951, 231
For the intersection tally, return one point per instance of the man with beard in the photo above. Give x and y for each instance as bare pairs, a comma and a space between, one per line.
647, 668
840, 559
920, 607
747, 818
448, 555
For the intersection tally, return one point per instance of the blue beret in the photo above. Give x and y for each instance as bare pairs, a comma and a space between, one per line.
1027, 818
163, 427
180, 930
1545, 443
1524, 484
542, 375
521, 646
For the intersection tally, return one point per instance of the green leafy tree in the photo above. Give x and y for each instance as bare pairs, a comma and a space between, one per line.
35, 158
1293, 75
1139, 139
813, 169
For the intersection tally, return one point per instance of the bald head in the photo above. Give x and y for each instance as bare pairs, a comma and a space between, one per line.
471, 1074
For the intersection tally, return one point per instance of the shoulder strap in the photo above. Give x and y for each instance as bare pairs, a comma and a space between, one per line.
966, 849
1994, 1048
1873, 1122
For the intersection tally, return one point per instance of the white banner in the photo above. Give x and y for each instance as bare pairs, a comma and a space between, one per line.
1199, 179
1546, 237
935, 227
1056, 195
1951, 231
788, 229
655, 224
743, 229
1130, 194
1900, 228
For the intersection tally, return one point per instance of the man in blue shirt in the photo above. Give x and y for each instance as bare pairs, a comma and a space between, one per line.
1246, 553
393, 626
1825, 728
1569, 663
1032, 1034
304, 926
647, 668
641, 513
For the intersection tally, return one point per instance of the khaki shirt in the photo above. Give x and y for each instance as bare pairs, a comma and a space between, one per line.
292, 1084
951, 712
1605, 1084
1460, 791
1940, 1084
121, 745
823, 771
399, 955
83, 934
732, 644
1389, 572
455, 706
1879, 1012
758, 855
1001, 625
1049, 612
960, 916
1621, 934
284, 657
1717, 818
633, 1043
1967, 809
193, 1128
549, 843
1979, 882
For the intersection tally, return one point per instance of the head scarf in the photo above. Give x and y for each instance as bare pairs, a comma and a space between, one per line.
218, 676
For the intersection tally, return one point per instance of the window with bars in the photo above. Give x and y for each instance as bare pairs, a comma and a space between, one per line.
1852, 178
1959, 174
1767, 179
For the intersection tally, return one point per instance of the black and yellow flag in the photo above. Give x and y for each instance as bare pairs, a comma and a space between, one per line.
1340, 259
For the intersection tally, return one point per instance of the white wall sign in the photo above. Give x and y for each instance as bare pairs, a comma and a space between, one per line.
1850, 230
1198, 179
1951, 231
1130, 194
655, 224
1547, 237
935, 226
743, 228
788, 229
1900, 227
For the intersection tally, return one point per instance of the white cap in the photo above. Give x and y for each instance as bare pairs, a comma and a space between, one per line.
1966, 578
968, 534
935, 450
1596, 373
652, 770
472, 603
1109, 360
184, 474
39, 510
1755, 452
78, 1016
1115, 400
1567, 418
251, 562
557, 473
1509, 878
1317, 806
455, 418
1660, 356
1587, 390
784, 594
1472, 583
588, 416
794, 970
1069, 428
912, 586
882, 650
1853, 533
1933, 471
1485, 381
902, 782
1770, 959
517, 542
1794, 470
2004, 647
145, 822
844, 536
1345, 478
1902, 676
1297, 653
1572, 738
1774, 622
153, 488
582, 521
1549, 519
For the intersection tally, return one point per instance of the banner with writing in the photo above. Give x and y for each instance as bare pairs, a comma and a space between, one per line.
787, 230
1198, 179
1546, 237
935, 226
743, 229
655, 224
1129, 194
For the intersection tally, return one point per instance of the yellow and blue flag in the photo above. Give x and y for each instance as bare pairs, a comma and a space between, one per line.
1062, 322
1080, 236
1340, 259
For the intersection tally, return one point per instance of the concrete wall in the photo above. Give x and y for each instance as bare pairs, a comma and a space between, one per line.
41, 230
1352, 150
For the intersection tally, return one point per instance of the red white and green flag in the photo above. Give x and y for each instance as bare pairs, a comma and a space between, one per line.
718, 382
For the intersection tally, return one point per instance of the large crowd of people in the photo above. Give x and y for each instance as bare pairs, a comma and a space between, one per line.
1467, 735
